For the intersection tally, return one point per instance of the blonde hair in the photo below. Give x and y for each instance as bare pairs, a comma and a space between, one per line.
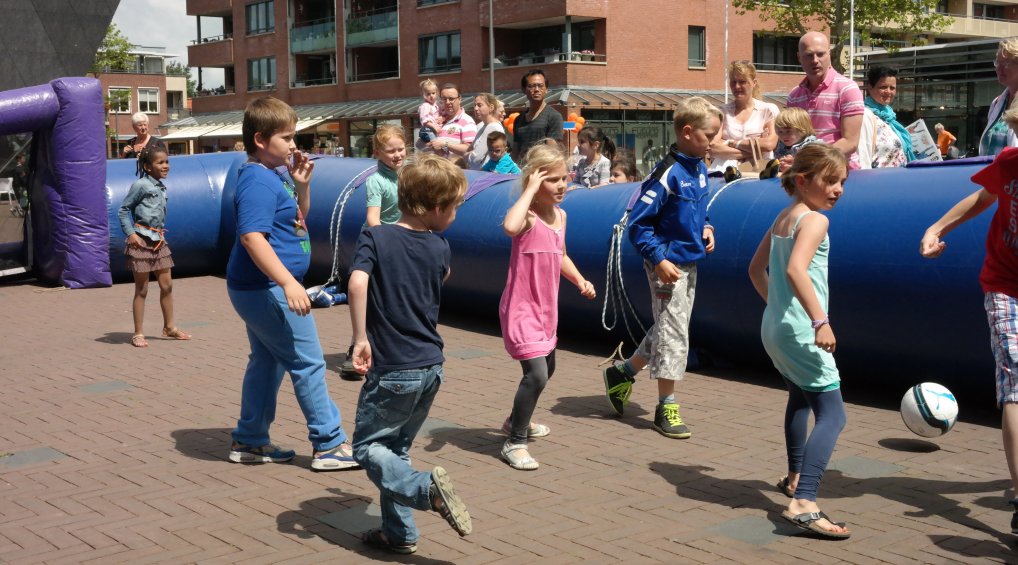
427, 182
266, 115
694, 111
1009, 48
1010, 116
428, 82
542, 155
813, 160
748, 71
489, 99
795, 118
385, 132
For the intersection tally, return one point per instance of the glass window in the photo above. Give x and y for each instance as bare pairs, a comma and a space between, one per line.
261, 73
772, 53
697, 46
439, 53
148, 100
432, 2
261, 17
120, 100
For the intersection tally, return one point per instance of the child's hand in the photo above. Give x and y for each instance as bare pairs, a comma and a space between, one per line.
361, 357
667, 272
301, 168
297, 298
535, 180
708, 239
931, 247
587, 290
825, 338
135, 240
785, 163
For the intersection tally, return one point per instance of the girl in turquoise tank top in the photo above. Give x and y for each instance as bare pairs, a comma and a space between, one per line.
789, 270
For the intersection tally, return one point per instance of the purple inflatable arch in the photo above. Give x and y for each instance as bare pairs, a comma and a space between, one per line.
68, 187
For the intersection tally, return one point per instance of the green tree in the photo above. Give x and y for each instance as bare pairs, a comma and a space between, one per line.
114, 53
178, 68
908, 20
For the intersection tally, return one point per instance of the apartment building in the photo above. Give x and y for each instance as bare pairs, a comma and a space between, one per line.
347, 65
147, 85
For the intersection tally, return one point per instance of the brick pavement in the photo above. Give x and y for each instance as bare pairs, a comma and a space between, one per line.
111, 454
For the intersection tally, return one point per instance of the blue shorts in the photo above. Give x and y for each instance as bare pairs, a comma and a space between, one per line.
1002, 315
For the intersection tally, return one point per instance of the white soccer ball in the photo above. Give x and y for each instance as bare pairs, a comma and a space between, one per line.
929, 409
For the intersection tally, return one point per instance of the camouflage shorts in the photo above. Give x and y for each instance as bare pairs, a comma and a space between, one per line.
666, 345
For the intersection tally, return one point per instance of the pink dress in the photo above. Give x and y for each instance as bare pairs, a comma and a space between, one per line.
529, 307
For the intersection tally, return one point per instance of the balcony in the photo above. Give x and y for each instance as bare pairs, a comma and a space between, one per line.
214, 8
511, 13
211, 52
375, 27
973, 27
314, 37
303, 82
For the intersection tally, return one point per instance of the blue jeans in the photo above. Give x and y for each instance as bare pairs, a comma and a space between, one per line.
391, 409
282, 341
808, 456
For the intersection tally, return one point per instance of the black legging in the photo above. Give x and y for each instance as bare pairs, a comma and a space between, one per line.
536, 373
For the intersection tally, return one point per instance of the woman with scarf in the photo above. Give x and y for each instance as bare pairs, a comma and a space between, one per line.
883, 142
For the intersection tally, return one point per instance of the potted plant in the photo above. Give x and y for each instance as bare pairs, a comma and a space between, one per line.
550, 54
587, 55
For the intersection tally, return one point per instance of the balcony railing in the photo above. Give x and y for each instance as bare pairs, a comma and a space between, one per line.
360, 77
303, 82
372, 27
220, 91
548, 58
212, 38
319, 35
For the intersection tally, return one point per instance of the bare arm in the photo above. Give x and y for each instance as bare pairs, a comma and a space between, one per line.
969, 207
572, 274
517, 220
719, 148
374, 216
812, 230
300, 171
758, 266
850, 129
263, 256
769, 139
357, 292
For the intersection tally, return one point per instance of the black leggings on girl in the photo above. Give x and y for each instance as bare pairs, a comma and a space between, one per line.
809, 456
536, 373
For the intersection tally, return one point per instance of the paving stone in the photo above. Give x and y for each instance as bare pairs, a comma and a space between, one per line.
355, 520
108, 386
30, 457
864, 467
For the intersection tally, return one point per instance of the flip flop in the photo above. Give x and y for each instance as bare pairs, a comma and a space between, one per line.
138, 340
175, 333
807, 521
785, 488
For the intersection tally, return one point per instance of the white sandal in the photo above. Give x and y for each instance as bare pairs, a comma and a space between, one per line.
535, 430
518, 462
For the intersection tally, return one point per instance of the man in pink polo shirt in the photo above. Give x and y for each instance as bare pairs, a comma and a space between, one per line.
834, 102
459, 129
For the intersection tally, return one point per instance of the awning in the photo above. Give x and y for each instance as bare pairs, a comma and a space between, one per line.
189, 132
229, 130
305, 124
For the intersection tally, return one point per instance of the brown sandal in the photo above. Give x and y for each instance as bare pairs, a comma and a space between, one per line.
138, 340
175, 333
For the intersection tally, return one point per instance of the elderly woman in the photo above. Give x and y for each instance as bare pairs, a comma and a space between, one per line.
745, 117
139, 121
997, 135
485, 106
883, 141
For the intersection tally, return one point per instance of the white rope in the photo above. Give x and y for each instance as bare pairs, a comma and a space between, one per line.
615, 287
336, 222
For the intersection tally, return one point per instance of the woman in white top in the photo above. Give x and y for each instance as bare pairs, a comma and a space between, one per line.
487, 122
745, 117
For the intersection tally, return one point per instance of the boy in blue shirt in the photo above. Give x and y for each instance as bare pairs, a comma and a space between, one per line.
395, 288
499, 160
263, 278
668, 226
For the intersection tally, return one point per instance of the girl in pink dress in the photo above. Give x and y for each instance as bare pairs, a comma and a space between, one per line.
529, 307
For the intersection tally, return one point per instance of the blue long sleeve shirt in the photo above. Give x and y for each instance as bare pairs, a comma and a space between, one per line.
668, 218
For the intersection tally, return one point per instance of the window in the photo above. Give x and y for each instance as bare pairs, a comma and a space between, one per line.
772, 53
260, 17
120, 100
440, 53
148, 100
433, 2
942, 7
987, 11
697, 46
261, 73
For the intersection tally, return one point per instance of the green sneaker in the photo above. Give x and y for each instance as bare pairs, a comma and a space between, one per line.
668, 422
617, 387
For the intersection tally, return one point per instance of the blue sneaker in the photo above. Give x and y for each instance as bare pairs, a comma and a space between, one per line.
339, 457
267, 453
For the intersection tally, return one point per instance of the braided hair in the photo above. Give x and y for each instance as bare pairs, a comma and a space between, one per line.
147, 155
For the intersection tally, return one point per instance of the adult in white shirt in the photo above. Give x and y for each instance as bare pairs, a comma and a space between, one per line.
485, 106
745, 117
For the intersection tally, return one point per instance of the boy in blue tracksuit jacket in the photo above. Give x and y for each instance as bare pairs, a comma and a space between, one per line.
668, 226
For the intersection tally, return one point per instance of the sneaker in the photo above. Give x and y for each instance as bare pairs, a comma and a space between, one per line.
617, 386
1014, 517
668, 422
339, 457
376, 538
447, 503
268, 453
732, 173
771, 169
346, 370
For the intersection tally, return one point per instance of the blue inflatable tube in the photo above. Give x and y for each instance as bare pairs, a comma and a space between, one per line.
895, 313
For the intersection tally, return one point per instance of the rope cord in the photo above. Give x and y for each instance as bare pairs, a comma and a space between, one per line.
336, 220
615, 287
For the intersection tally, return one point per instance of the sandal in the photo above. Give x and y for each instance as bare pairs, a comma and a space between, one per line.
447, 503
535, 430
376, 538
518, 462
138, 340
785, 488
807, 521
175, 333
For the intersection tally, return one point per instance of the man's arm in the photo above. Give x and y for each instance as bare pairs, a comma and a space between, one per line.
850, 128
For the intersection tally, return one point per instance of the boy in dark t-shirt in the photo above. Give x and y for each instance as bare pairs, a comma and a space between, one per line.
395, 288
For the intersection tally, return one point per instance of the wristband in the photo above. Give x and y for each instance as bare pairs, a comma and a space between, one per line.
817, 324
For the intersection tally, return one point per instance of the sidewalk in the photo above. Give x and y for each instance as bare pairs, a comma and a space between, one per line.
112, 454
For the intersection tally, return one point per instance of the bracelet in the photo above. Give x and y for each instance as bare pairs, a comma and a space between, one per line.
817, 324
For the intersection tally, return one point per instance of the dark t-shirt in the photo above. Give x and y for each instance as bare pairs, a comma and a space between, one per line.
406, 270
525, 134
152, 142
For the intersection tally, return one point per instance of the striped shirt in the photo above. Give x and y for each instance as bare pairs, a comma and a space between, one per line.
834, 99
